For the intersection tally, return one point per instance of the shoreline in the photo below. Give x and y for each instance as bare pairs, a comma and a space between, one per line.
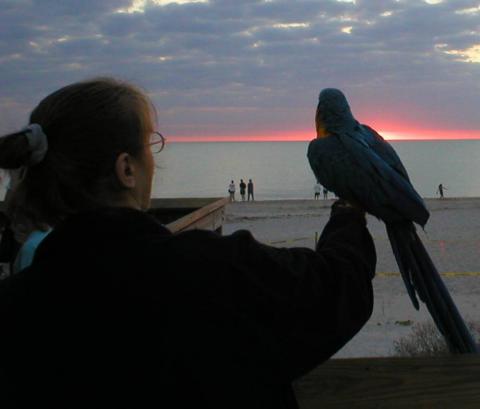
429, 199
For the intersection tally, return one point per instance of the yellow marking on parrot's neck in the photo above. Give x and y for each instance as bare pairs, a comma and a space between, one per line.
322, 133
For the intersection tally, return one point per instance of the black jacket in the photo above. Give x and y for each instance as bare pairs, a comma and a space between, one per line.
116, 312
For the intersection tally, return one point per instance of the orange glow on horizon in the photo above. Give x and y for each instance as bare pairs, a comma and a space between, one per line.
429, 135
305, 136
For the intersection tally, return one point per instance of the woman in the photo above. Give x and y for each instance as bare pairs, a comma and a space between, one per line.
115, 311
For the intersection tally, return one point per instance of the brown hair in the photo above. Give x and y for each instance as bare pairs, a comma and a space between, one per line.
87, 125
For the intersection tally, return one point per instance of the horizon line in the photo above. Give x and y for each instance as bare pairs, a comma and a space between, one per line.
304, 135
174, 139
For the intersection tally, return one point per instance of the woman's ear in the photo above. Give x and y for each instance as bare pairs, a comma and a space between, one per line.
125, 170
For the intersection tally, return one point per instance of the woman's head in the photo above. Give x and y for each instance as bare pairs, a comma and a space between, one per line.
98, 132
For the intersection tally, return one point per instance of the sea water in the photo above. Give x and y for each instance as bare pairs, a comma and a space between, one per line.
280, 170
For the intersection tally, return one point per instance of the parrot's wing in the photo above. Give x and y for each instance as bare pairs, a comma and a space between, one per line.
340, 172
355, 172
385, 159
385, 151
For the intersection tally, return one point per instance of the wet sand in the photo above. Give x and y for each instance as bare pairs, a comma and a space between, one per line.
452, 237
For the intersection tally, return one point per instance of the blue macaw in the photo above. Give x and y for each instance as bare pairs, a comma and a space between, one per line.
356, 163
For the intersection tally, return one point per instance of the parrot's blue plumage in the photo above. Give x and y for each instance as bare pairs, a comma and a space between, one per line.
358, 165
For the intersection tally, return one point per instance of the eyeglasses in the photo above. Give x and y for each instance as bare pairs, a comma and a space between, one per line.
157, 142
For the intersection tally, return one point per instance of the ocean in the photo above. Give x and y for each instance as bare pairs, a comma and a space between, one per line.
280, 170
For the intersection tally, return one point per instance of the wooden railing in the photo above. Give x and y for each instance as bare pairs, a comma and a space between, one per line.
193, 213
429, 382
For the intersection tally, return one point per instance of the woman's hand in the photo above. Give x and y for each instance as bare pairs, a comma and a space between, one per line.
348, 205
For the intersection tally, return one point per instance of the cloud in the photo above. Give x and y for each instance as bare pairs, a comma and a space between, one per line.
223, 66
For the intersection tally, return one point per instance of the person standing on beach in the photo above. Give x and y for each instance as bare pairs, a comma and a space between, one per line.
250, 190
316, 190
133, 315
440, 190
325, 193
231, 191
243, 186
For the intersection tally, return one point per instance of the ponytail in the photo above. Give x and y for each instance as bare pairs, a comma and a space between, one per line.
27, 147
14, 151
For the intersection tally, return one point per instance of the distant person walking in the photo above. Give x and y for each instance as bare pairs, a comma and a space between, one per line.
317, 188
243, 186
325, 193
250, 190
440, 190
231, 191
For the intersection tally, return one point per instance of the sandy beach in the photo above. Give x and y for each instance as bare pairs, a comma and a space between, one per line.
451, 236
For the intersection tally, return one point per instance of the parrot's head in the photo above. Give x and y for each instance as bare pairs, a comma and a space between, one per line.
333, 113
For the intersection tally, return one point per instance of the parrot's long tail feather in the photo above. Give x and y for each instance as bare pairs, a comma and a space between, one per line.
421, 276
400, 248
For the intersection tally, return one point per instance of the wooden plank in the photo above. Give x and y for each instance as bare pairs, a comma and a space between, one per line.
211, 221
209, 217
182, 203
429, 382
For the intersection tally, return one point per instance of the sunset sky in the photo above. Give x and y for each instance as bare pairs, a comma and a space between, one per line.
252, 70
